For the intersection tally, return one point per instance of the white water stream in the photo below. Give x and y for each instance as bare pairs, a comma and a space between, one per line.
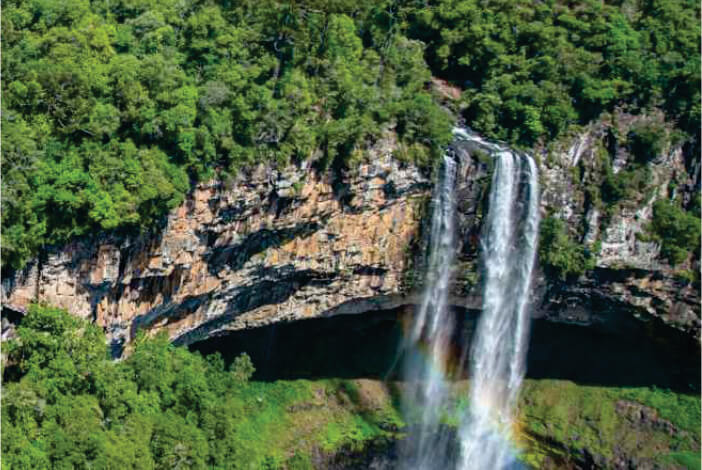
499, 347
497, 356
425, 374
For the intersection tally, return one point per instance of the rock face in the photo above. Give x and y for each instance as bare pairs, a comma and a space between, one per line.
629, 273
279, 245
276, 246
629, 278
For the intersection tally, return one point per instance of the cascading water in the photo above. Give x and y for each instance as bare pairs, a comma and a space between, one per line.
428, 342
500, 341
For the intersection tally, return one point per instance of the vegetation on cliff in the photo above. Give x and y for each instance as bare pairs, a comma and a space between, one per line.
631, 170
65, 404
112, 109
561, 256
677, 230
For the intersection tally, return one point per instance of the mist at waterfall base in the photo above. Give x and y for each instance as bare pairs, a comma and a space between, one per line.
496, 361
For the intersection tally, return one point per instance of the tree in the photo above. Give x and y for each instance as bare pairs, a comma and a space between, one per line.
112, 109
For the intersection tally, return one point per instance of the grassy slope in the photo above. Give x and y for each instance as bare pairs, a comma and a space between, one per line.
290, 421
575, 417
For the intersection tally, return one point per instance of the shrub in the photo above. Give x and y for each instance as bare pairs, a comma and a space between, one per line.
626, 184
678, 231
559, 255
242, 369
647, 140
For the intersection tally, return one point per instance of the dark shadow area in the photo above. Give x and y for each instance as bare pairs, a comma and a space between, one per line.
11, 316
589, 356
345, 346
10, 319
277, 285
369, 345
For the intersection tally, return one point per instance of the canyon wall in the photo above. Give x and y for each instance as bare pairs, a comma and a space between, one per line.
285, 244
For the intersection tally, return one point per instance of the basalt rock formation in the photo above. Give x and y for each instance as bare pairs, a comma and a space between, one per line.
274, 246
630, 275
285, 244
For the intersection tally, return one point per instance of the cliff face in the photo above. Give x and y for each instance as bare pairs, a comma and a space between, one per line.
275, 246
280, 245
630, 277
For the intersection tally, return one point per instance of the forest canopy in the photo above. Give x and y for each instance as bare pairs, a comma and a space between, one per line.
111, 110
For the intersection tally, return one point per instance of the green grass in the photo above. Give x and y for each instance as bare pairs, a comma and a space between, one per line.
577, 417
680, 409
558, 418
689, 460
284, 421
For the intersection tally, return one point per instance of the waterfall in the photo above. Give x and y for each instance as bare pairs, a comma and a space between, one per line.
497, 359
499, 347
426, 392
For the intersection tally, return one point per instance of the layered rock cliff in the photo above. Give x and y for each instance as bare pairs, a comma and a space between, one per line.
276, 245
284, 244
629, 279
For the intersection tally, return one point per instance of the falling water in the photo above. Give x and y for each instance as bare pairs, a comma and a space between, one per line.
428, 343
500, 341
499, 345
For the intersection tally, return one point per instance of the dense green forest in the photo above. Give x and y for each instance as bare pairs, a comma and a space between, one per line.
67, 405
112, 109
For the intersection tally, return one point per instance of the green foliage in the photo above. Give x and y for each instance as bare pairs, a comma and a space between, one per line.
627, 184
110, 109
578, 417
687, 276
57, 350
688, 459
647, 140
242, 368
66, 405
299, 462
559, 255
530, 69
677, 230
682, 410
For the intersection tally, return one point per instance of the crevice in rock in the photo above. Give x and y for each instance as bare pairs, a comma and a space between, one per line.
235, 256
276, 286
